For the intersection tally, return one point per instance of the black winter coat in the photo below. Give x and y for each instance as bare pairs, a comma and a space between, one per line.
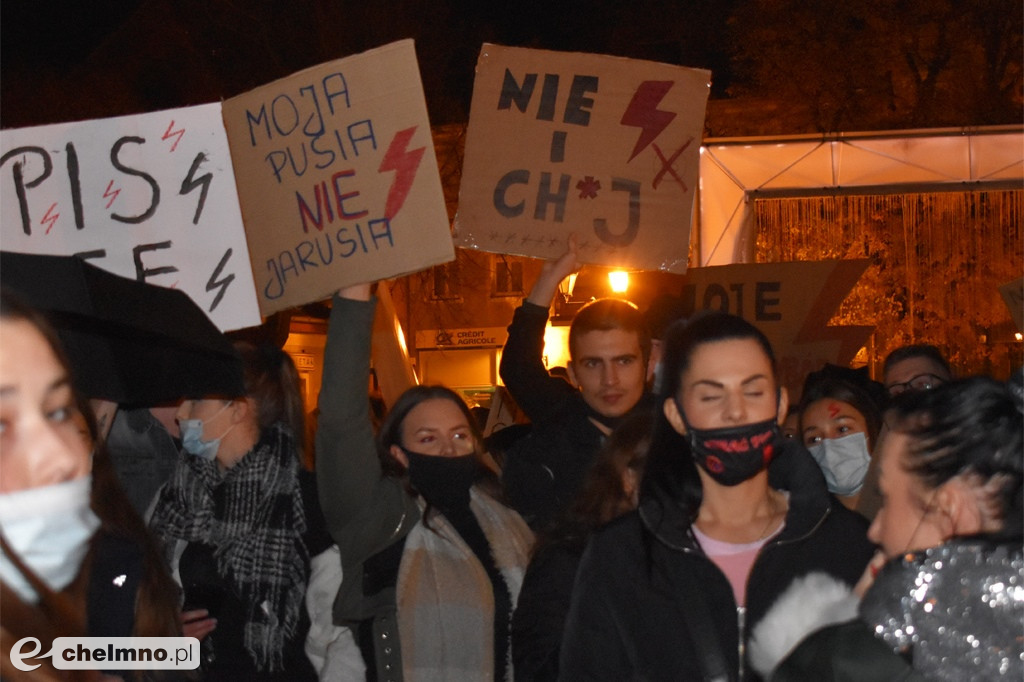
643, 573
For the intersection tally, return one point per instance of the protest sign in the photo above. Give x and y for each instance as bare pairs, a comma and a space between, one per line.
150, 196
791, 303
337, 177
602, 146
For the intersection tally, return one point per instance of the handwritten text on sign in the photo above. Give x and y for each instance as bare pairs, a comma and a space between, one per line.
567, 142
337, 177
150, 196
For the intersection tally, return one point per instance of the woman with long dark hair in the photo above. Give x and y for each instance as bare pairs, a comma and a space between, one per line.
432, 559
77, 560
729, 512
611, 488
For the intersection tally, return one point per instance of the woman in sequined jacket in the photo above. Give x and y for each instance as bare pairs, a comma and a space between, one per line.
949, 602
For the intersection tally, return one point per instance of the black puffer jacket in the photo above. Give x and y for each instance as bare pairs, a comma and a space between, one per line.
644, 573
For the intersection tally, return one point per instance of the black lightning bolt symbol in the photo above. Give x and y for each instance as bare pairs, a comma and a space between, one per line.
223, 284
191, 182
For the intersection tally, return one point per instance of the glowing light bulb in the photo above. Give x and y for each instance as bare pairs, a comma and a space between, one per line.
619, 281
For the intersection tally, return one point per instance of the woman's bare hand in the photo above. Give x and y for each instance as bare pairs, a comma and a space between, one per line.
197, 623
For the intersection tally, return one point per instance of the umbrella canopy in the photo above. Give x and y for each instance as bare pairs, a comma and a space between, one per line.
127, 341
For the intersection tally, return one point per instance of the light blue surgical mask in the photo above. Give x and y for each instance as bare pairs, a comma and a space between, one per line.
192, 437
844, 462
48, 528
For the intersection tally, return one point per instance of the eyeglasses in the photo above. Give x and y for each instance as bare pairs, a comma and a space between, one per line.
922, 382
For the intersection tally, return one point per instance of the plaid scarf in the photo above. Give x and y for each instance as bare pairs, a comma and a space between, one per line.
253, 516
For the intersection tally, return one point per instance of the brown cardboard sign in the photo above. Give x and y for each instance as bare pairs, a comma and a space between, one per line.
791, 303
602, 146
337, 177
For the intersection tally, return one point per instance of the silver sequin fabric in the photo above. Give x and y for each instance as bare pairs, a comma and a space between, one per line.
957, 610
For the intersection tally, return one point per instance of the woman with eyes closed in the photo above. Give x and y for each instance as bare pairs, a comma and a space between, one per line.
839, 424
432, 560
730, 512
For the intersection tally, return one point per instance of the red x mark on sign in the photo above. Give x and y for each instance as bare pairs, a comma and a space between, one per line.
666, 165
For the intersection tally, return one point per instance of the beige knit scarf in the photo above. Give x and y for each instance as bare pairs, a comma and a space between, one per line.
445, 599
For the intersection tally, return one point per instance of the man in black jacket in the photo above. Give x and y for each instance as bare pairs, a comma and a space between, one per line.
608, 349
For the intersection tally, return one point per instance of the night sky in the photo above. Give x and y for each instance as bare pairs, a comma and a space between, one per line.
58, 57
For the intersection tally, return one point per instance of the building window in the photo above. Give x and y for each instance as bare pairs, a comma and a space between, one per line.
508, 276
445, 282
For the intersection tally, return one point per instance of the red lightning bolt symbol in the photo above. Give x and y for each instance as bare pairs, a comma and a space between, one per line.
170, 133
643, 113
404, 163
51, 219
112, 195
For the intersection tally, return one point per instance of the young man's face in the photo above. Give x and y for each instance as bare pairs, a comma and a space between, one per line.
608, 367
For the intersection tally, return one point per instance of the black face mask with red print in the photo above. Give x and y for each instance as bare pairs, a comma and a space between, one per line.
733, 454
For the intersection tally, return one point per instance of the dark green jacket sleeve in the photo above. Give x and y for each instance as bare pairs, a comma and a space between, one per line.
522, 365
364, 511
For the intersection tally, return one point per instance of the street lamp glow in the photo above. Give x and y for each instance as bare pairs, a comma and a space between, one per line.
619, 281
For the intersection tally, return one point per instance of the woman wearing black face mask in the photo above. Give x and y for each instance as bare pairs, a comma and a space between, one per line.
729, 513
432, 561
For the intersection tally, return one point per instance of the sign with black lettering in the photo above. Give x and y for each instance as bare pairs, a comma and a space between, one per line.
602, 146
791, 303
337, 177
150, 196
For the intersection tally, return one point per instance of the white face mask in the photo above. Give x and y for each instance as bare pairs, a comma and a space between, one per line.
49, 530
844, 461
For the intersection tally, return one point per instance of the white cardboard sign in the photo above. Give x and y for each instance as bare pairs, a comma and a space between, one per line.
150, 196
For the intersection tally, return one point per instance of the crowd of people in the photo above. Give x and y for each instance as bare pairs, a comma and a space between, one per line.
665, 515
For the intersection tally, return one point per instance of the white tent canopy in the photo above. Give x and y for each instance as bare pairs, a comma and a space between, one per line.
734, 172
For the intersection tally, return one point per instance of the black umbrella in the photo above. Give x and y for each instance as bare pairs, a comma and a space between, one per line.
127, 341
